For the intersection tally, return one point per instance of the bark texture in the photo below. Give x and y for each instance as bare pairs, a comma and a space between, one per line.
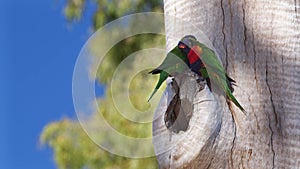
258, 43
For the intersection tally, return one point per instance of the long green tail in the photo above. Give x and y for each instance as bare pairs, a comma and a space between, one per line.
162, 77
155, 90
233, 99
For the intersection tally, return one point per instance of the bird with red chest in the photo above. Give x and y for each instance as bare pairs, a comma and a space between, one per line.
204, 62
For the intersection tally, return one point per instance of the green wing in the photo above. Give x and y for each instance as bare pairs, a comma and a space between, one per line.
216, 73
175, 56
175, 62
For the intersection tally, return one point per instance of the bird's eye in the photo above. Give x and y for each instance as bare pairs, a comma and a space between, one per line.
182, 46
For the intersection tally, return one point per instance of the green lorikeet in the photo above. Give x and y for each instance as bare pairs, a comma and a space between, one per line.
203, 61
175, 62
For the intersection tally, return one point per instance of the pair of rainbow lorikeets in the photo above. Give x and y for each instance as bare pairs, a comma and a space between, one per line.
190, 53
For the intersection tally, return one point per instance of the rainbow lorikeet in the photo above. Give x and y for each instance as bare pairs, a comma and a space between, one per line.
175, 62
203, 61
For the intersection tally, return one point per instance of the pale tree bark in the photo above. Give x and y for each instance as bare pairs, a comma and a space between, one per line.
258, 43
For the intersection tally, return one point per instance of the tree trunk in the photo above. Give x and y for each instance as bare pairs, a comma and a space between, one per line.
258, 43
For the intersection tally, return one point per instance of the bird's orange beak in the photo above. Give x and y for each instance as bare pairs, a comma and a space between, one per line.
182, 46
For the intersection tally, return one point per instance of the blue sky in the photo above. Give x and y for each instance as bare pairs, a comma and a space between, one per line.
38, 50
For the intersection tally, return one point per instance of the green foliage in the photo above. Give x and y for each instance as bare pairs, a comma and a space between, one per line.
108, 10
72, 147
74, 9
120, 51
